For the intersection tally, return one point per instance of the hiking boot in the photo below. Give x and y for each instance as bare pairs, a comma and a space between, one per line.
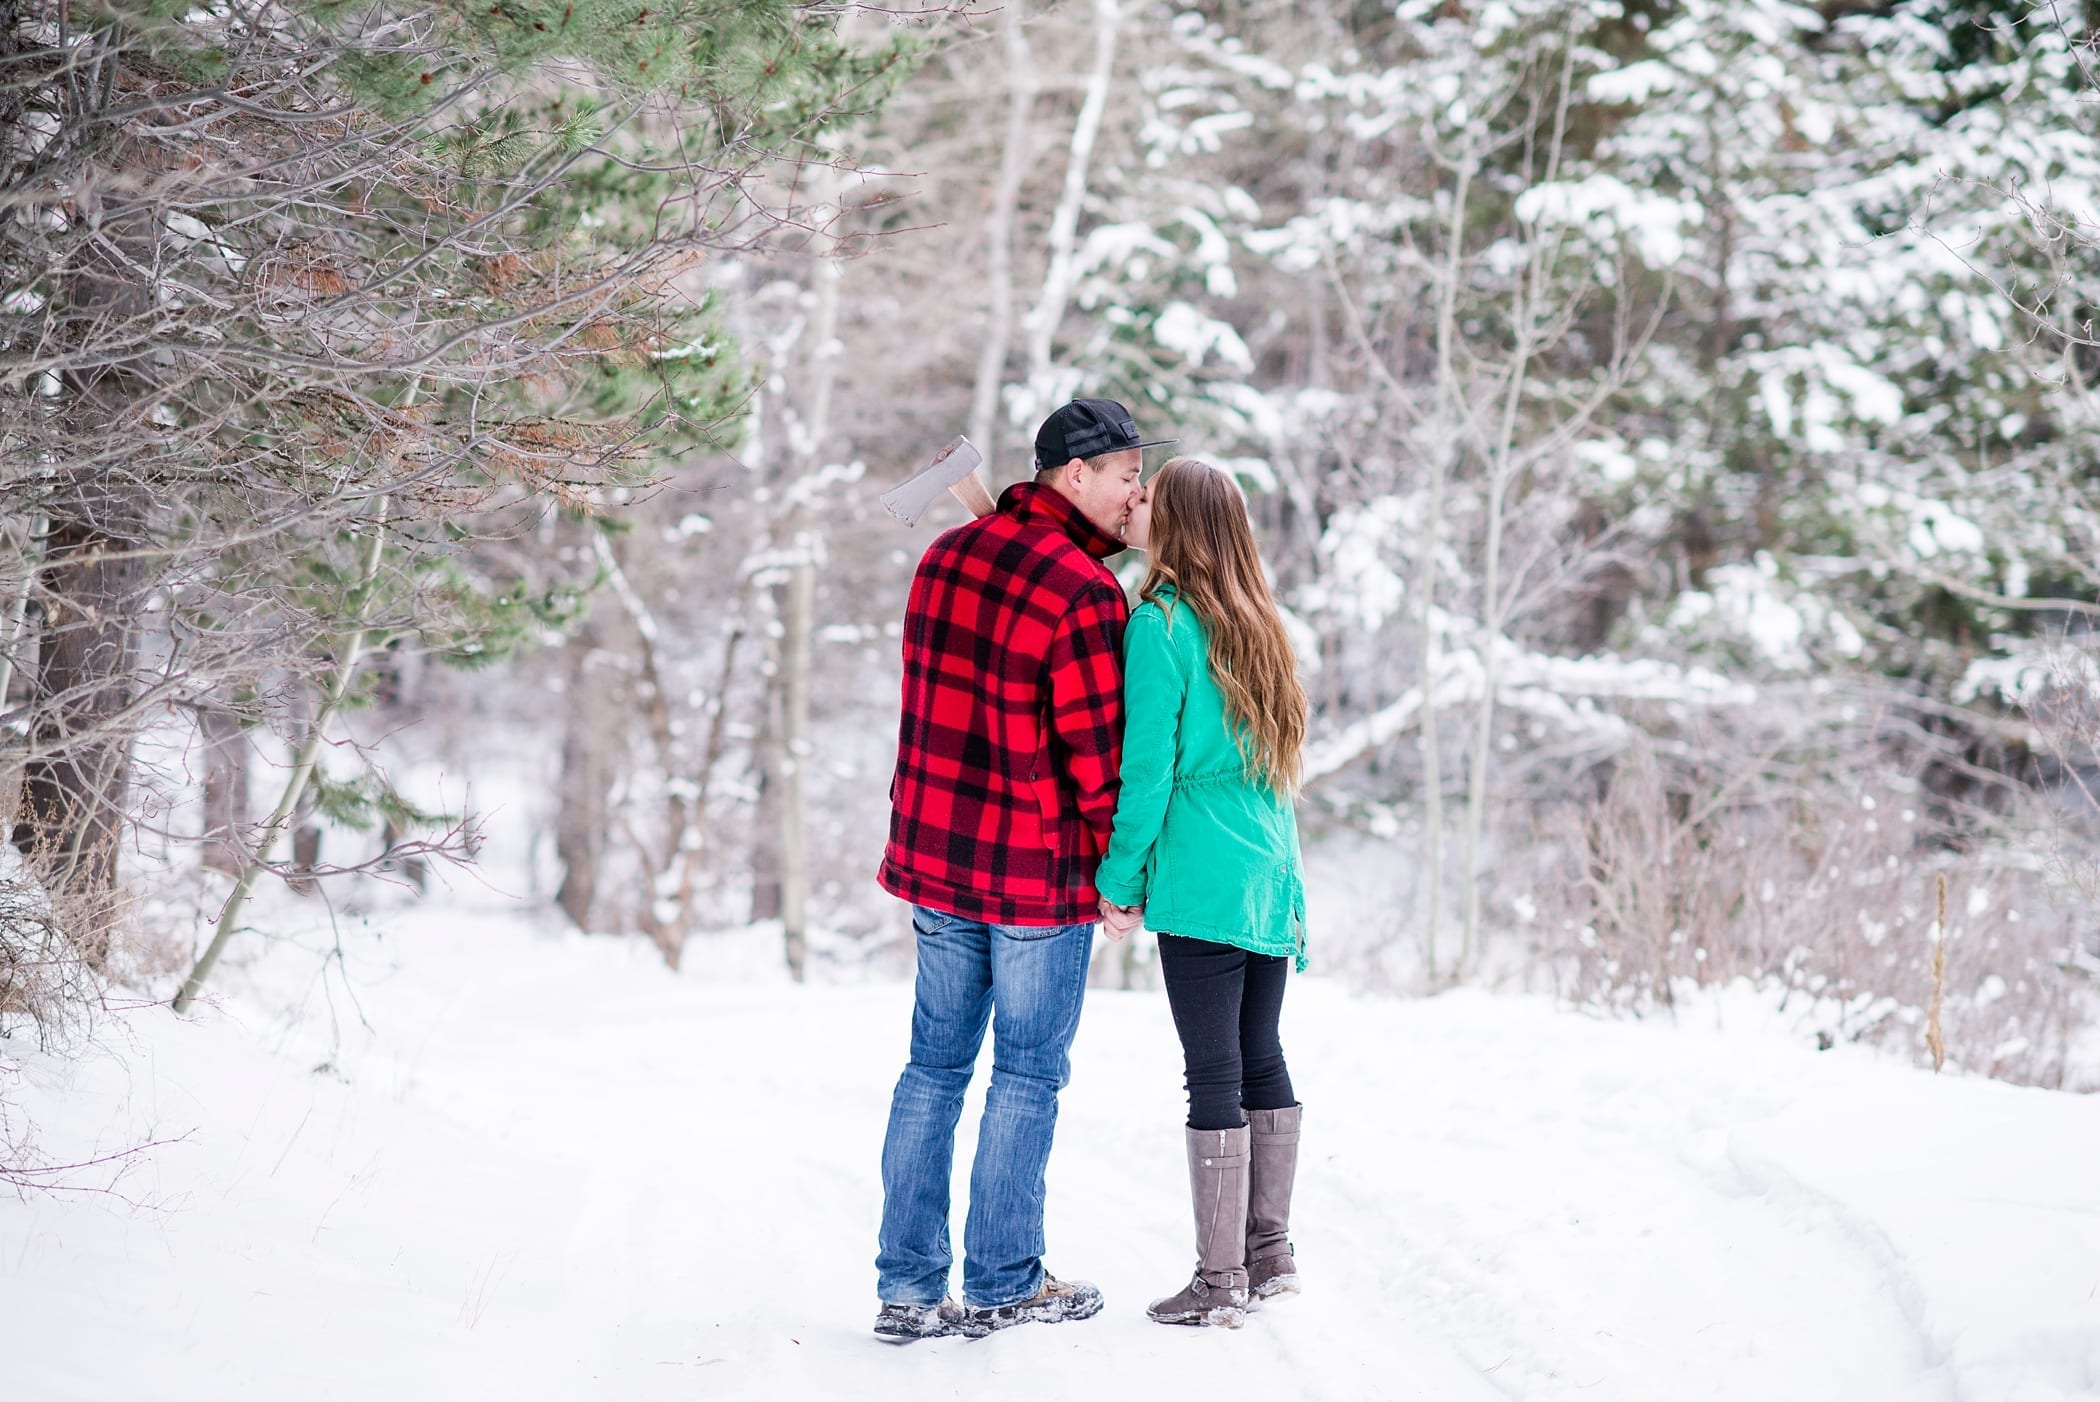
1269, 1277
1217, 1293
1273, 1144
903, 1323
1054, 1303
1210, 1297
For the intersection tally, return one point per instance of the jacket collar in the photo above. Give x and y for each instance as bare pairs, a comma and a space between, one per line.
1037, 505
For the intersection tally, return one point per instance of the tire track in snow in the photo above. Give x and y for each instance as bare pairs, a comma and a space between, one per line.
1771, 1180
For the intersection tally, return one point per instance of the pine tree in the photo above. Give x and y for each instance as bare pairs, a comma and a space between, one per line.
305, 300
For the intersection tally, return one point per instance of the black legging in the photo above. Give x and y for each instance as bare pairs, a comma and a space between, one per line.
1225, 1004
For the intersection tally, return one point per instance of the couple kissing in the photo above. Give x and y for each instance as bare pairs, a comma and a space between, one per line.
1063, 759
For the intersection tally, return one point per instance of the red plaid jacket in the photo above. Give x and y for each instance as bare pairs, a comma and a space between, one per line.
1005, 791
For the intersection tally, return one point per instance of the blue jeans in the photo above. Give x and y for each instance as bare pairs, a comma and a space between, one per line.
1028, 980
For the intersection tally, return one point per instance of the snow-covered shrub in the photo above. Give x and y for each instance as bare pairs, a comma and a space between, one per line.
45, 985
44, 980
2060, 696
1694, 867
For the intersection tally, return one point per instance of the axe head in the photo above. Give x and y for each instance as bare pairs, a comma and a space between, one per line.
908, 500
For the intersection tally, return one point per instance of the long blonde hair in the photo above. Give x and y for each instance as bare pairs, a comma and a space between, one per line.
1203, 544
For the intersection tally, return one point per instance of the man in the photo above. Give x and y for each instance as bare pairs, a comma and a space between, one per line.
1003, 801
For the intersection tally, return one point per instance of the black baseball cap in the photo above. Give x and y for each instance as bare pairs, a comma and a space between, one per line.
1087, 428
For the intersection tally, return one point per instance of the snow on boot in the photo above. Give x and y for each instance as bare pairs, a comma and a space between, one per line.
903, 1323
1269, 1277
1217, 1293
1054, 1303
1210, 1297
1273, 1145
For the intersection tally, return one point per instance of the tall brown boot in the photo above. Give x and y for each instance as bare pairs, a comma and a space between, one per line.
1273, 1149
1217, 1293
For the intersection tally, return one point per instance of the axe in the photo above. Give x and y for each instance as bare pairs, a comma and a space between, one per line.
953, 469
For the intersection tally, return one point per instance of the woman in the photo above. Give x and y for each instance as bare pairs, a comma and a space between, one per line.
1206, 848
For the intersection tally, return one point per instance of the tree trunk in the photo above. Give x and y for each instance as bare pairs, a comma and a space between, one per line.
587, 772
787, 718
415, 870
225, 788
717, 727
306, 851
14, 609
15, 641
1049, 310
306, 835
999, 234
663, 915
296, 792
769, 822
1442, 450
78, 774
1500, 474
77, 779
794, 831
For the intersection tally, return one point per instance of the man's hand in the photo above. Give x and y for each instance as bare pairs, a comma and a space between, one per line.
1119, 920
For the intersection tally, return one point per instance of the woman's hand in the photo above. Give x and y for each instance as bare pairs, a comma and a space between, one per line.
1119, 920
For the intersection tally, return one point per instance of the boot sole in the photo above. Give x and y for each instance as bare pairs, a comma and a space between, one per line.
1061, 1314
912, 1336
1271, 1289
938, 1322
1216, 1318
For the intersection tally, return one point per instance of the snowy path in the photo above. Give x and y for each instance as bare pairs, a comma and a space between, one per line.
559, 1172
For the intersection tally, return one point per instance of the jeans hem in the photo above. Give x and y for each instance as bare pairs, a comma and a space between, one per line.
900, 1299
1030, 1293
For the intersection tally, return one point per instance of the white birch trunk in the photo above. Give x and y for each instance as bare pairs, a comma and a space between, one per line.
1493, 607
795, 748
664, 917
999, 233
350, 648
14, 618
1442, 436
798, 635
1049, 310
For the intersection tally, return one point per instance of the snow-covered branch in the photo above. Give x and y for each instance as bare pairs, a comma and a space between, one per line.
1563, 691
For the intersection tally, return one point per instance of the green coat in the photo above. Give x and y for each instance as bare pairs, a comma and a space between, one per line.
1210, 852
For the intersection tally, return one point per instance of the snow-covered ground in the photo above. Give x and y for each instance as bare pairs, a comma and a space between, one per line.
553, 1169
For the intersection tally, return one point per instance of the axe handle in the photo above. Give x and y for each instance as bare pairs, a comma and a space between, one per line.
973, 494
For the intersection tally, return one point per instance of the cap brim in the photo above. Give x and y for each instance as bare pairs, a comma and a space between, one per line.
1158, 443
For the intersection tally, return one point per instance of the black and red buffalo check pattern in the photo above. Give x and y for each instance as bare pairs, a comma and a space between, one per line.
1005, 791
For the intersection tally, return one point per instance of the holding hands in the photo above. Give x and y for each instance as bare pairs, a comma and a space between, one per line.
1119, 920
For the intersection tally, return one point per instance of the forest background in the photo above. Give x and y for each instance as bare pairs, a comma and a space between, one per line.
1670, 427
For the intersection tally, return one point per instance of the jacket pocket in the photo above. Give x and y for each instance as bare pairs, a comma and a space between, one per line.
930, 922
1028, 934
1160, 864
1049, 804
